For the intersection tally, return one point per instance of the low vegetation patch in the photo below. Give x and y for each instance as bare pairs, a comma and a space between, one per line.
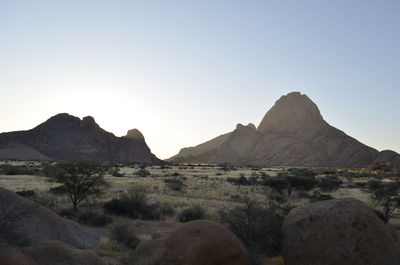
94, 218
258, 226
192, 213
124, 235
135, 205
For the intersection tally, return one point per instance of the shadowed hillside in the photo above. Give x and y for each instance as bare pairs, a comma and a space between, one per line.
64, 136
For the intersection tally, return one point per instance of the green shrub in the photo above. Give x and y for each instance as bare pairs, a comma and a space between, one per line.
8, 169
135, 205
190, 214
124, 235
67, 213
142, 173
242, 180
257, 226
26, 193
58, 190
116, 172
316, 196
175, 183
329, 184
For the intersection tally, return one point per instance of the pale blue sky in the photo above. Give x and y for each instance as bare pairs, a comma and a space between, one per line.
183, 72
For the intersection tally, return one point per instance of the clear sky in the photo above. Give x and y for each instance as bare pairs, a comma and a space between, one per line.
183, 72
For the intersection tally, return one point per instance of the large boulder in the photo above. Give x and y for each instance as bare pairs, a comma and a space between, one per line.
201, 242
48, 253
342, 231
144, 253
24, 220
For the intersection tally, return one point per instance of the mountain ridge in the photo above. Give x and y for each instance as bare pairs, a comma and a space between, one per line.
291, 133
64, 137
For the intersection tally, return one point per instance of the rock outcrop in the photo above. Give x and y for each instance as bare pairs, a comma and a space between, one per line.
67, 137
23, 219
48, 253
342, 231
201, 242
292, 133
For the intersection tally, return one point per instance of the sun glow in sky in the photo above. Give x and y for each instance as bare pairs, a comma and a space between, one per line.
183, 72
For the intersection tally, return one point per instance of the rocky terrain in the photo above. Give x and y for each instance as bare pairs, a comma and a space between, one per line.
64, 136
343, 231
23, 219
292, 133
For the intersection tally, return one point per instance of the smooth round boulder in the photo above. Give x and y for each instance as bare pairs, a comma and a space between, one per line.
341, 231
201, 242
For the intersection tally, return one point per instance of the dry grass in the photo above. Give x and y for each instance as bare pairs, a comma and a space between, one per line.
205, 186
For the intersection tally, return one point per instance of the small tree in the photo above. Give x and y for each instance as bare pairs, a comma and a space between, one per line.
80, 179
386, 195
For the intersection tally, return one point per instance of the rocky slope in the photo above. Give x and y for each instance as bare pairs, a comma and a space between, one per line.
64, 136
292, 133
24, 220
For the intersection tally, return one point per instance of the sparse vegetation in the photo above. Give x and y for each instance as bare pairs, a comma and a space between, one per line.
8, 169
142, 173
241, 193
81, 179
135, 205
386, 196
124, 235
174, 183
94, 218
258, 226
192, 213
329, 183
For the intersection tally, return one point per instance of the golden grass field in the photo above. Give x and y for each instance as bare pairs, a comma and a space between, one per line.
205, 186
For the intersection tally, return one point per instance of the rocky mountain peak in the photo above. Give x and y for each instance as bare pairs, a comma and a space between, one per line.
293, 110
249, 126
89, 122
135, 134
59, 121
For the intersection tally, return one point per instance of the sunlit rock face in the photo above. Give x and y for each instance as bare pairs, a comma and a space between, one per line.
292, 133
64, 136
293, 111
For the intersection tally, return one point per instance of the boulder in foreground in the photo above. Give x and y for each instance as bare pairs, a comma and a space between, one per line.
342, 231
48, 253
201, 242
24, 219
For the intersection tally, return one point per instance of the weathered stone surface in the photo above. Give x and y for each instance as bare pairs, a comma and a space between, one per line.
48, 253
292, 133
64, 136
201, 242
33, 223
144, 253
342, 231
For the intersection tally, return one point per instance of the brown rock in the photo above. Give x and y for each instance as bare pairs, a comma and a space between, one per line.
337, 232
48, 253
201, 242
32, 222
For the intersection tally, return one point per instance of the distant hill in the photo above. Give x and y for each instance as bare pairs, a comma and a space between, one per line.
292, 133
64, 136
